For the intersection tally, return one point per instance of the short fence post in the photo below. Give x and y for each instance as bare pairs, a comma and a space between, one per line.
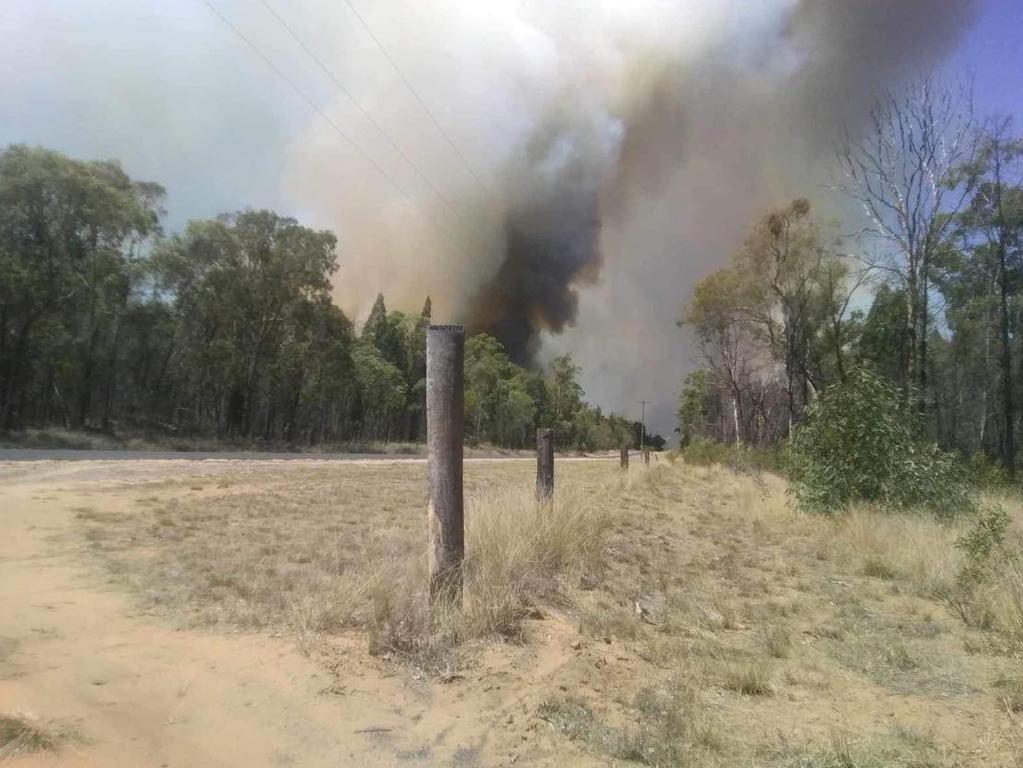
544, 464
625, 457
646, 457
445, 425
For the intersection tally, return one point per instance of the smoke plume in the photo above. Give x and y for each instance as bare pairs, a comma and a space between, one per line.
617, 151
551, 239
632, 186
772, 114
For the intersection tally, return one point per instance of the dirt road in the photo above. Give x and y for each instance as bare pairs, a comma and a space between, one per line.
139, 692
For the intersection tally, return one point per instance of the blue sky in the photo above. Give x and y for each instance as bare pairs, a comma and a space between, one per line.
993, 53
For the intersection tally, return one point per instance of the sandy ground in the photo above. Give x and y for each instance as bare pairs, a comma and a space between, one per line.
714, 562
141, 693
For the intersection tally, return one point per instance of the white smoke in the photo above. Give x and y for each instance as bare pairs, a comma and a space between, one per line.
695, 117
683, 121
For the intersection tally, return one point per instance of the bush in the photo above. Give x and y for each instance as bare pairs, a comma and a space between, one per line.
985, 473
857, 444
742, 459
988, 591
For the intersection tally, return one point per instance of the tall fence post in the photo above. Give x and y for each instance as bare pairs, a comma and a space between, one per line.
625, 457
445, 425
544, 464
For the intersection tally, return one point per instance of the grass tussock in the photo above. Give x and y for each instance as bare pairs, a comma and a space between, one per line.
1009, 691
897, 748
750, 679
519, 555
21, 735
665, 726
778, 642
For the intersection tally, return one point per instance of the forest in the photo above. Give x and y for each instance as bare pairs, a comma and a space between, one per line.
227, 329
923, 289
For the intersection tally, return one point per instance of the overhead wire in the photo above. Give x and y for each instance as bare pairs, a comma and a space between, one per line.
327, 118
422, 103
364, 112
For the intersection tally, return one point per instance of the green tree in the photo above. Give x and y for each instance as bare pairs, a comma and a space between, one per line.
382, 389
499, 402
72, 237
884, 334
565, 397
993, 222
789, 277
693, 415
237, 284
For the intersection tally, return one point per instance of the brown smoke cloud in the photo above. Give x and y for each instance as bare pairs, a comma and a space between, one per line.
625, 149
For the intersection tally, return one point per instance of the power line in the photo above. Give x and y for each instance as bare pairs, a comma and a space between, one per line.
418, 98
327, 118
365, 113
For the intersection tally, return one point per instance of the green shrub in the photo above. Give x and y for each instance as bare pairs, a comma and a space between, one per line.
739, 458
987, 555
857, 444
984, 472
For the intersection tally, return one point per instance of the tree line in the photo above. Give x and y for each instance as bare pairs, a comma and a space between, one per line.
226, 329
929, 297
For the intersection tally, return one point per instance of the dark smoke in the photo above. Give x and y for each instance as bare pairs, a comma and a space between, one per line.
752, 129
551, 242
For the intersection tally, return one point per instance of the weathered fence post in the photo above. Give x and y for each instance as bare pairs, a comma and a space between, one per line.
646, 457
544, 464
625, 457
445, 424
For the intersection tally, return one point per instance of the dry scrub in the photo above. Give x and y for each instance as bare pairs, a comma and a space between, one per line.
20, 734
695, 618
328, 550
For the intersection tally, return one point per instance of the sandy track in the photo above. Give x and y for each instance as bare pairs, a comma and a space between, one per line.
142, 693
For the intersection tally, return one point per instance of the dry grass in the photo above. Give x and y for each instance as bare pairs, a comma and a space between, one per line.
520, 555
913, 548
710, 624
20, 735
328, 550
750, 679
896, 748
922, 552
670, 727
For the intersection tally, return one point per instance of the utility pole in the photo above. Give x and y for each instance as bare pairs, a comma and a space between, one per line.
642, 424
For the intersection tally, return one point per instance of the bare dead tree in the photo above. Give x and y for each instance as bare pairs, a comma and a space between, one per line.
902, 173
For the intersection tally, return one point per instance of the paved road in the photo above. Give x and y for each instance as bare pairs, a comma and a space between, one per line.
70, 454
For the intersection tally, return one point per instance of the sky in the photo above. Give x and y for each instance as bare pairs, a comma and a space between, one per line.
992, 52
170, 90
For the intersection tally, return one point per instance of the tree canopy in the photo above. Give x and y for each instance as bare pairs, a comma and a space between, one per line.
227, 329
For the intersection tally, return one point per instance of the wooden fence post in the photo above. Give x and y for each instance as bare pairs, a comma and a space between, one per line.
544, 464
445, 425
625, 457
